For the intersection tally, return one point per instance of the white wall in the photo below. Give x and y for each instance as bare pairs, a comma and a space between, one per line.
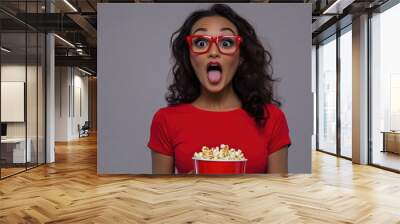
81, 89
61, 103
33, 126
14, 73
69, 84
17, 73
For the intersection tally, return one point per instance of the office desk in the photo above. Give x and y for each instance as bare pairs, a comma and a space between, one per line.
13, 150
391, 141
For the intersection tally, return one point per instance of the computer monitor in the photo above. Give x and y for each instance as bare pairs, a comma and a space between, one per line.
3, 129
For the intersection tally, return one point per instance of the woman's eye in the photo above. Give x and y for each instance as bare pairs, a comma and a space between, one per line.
201, 43
227, 43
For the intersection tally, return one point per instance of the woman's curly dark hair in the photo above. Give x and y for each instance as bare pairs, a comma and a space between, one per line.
252, 82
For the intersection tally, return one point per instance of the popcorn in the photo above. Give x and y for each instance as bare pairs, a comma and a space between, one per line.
223, 152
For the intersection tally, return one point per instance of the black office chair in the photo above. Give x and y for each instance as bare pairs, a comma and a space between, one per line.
84, 130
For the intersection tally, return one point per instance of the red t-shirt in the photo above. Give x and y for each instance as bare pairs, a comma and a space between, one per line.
182, 130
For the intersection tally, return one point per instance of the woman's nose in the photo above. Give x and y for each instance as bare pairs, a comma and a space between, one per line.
214, 52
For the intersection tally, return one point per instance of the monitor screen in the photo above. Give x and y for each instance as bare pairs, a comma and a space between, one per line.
3, 129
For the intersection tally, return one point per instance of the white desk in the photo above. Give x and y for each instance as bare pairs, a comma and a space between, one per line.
18, 150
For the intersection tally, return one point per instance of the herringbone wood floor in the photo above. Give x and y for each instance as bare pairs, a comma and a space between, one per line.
70, 191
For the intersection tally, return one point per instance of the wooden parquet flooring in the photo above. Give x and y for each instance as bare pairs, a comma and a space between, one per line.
70, 191
10, 171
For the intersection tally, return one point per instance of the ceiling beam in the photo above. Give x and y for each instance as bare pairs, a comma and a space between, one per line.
337, 7
86, 26
85, 61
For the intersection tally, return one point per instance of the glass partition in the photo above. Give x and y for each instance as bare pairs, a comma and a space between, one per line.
41, 87
14, 153
32, 95
22, 77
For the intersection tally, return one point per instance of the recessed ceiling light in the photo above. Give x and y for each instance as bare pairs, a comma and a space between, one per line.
86, 72
337, 7
64, 40
70, 5
5, 50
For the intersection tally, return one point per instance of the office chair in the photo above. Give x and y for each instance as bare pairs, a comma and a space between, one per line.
84, 130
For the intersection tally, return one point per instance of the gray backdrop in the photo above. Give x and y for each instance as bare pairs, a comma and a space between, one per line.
134, 63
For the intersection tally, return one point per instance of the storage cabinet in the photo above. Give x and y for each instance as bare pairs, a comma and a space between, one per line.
391, 142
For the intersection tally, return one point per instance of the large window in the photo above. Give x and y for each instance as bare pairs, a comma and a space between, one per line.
346, 92
327, 95
385, 88
334, 73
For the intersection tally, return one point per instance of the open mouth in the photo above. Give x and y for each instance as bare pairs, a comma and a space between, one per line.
214, 67
214, 72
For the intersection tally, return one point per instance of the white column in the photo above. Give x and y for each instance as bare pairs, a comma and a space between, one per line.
50, 92
360, 90
50, 79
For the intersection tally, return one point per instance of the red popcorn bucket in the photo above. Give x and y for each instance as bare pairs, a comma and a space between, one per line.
204, 166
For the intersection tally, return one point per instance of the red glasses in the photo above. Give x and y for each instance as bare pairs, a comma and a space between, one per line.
201, 44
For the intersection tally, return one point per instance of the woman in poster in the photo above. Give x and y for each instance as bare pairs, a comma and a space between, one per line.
222, 93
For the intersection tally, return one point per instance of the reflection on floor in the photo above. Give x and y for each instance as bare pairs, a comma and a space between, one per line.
346, 152
10, 169
386, 159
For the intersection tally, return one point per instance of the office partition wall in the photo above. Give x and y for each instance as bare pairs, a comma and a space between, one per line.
13, 147
22, 87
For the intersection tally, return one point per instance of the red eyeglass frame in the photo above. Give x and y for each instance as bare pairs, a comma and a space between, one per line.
214, 39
